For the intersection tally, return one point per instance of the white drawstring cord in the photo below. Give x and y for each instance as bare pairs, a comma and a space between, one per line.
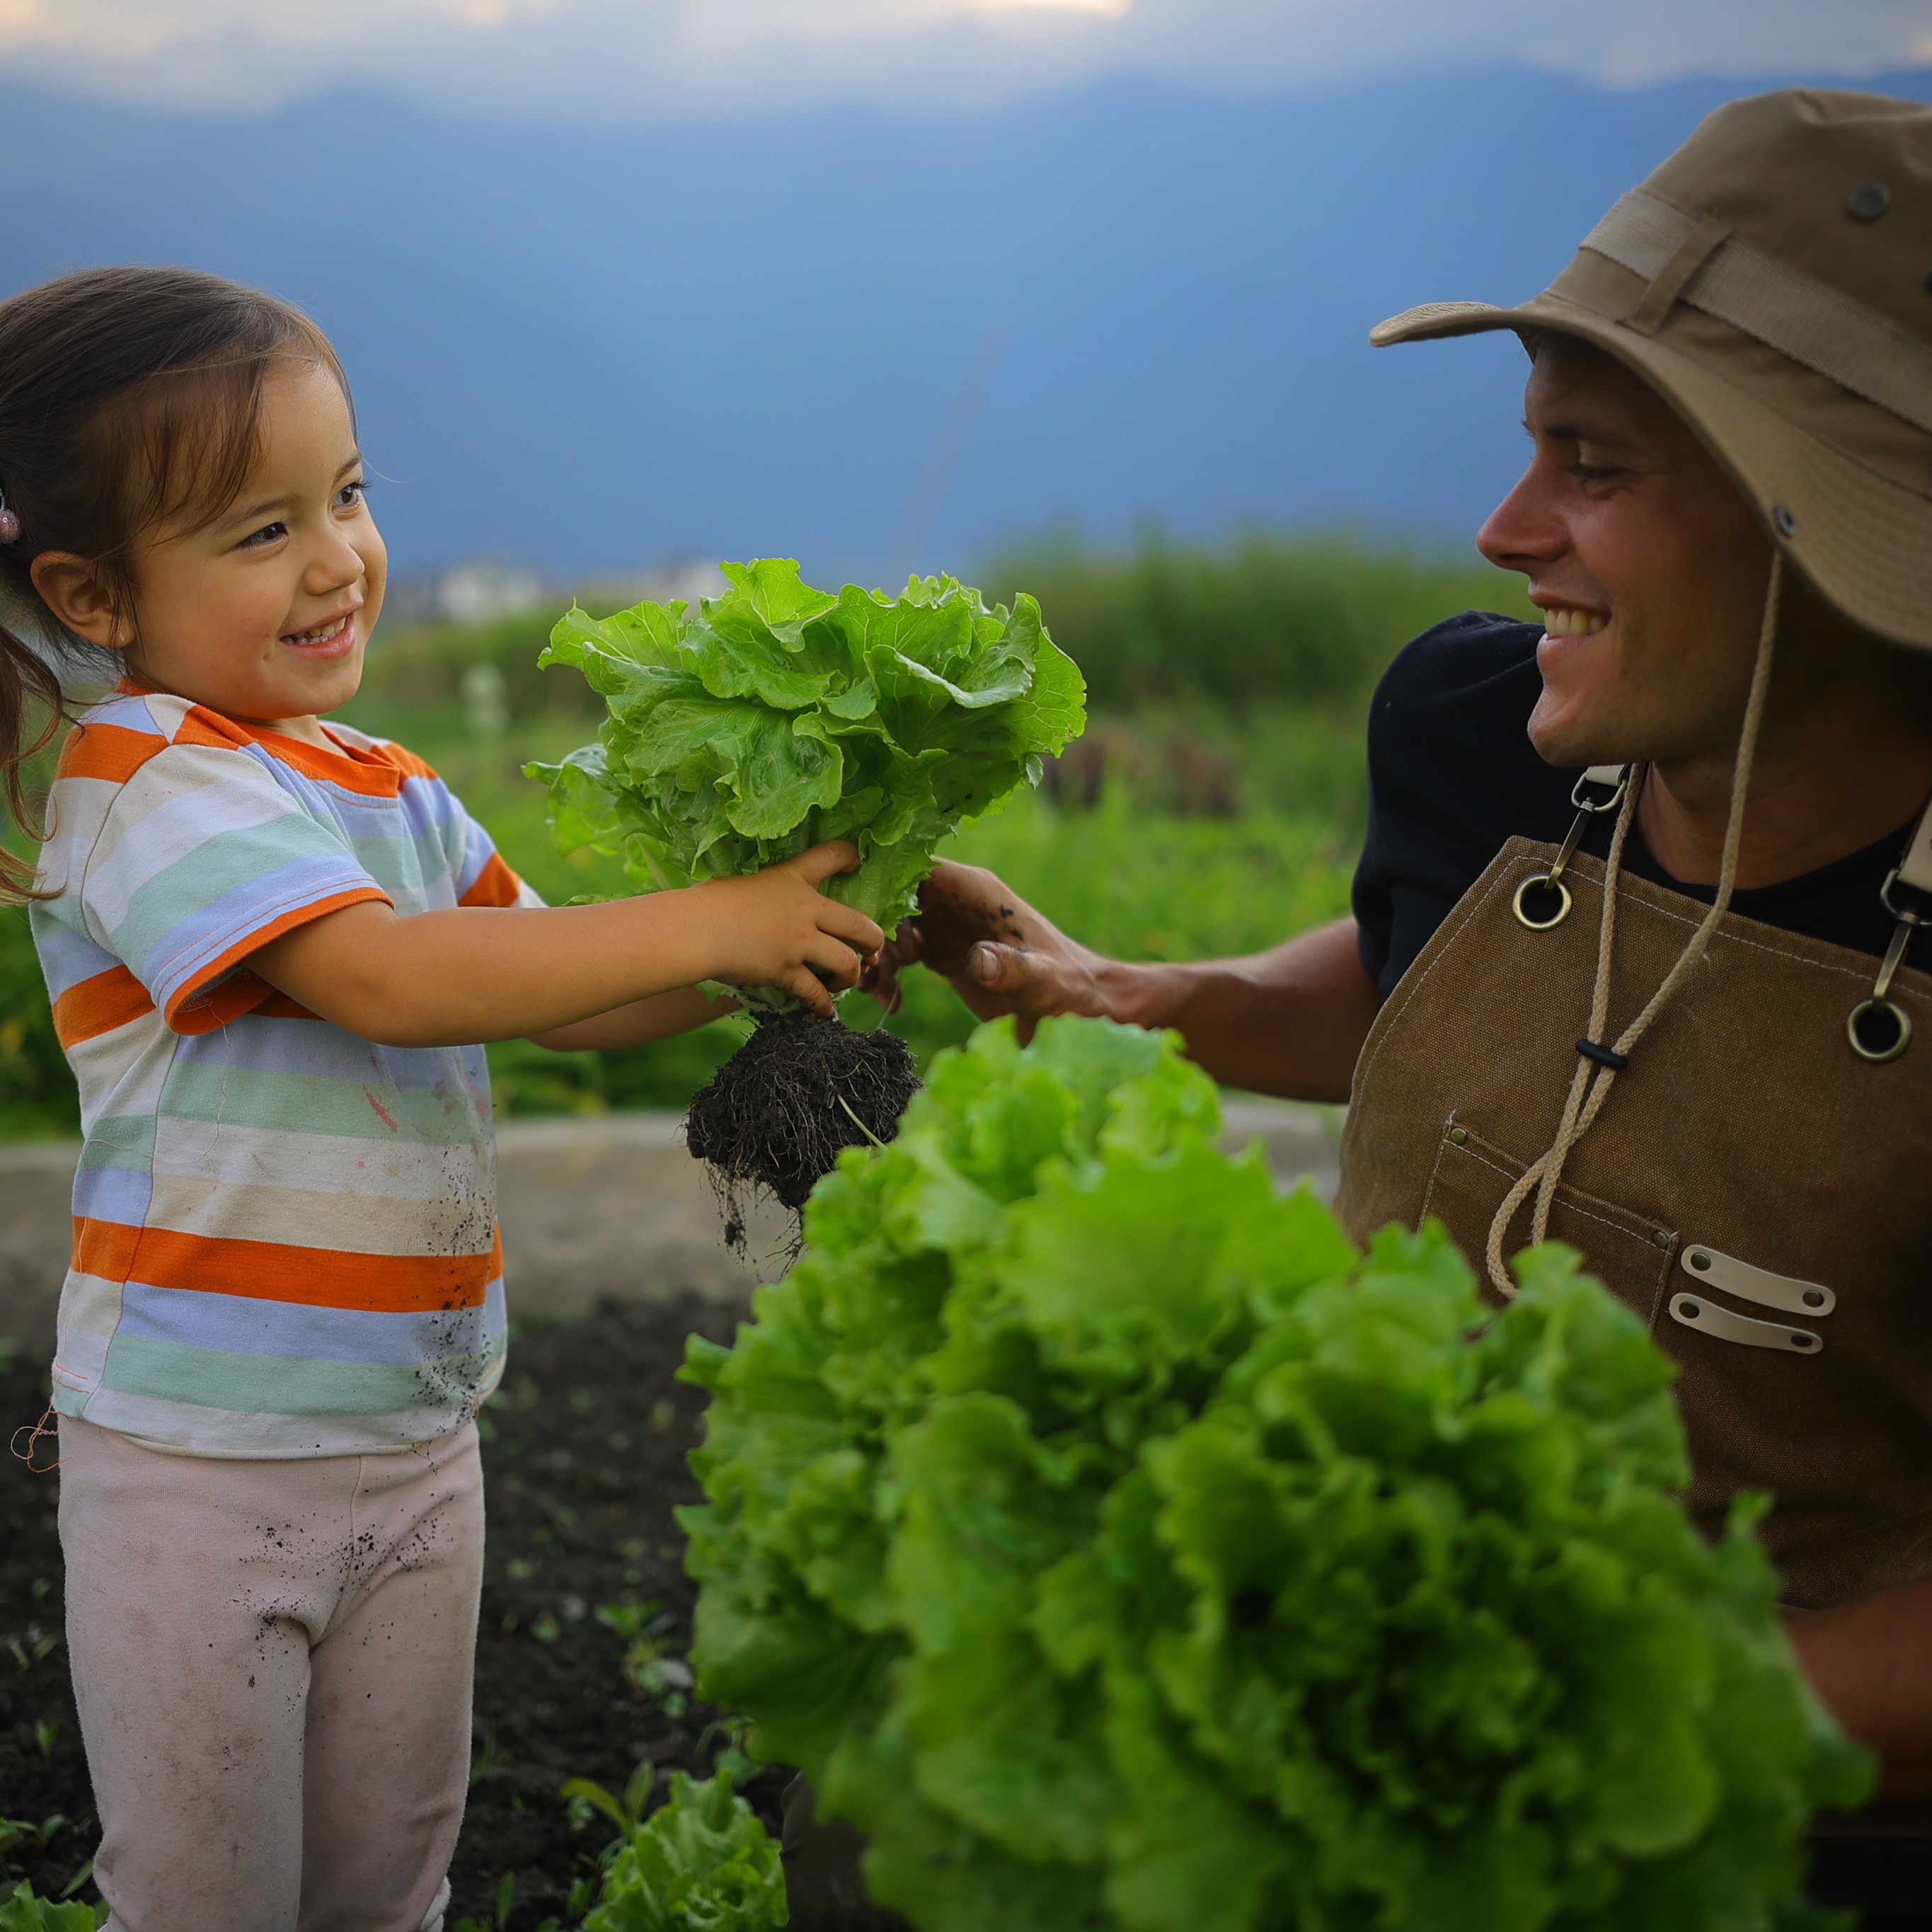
1591, 1087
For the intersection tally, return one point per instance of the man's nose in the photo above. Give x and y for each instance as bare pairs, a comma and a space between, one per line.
1524, 530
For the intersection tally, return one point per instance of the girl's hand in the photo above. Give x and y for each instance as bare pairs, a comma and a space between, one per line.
776, 928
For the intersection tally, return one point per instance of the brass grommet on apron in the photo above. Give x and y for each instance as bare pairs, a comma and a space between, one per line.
1543, 882
1618, 778
1879, 1029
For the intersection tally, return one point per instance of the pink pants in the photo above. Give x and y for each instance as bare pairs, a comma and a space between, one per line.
273, 1661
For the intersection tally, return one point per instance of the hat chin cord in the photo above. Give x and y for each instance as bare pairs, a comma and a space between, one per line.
1597, 1070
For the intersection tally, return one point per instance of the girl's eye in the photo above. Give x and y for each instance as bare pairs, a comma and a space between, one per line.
268, 534
352, 495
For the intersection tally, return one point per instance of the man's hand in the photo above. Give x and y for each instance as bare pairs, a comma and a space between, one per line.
1871, 1661
1000, 955
1288, 1022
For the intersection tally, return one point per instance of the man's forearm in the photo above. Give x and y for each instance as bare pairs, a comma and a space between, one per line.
1290, 1021
1871, 1661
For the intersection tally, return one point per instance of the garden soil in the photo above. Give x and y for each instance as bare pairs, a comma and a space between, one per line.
583, 1462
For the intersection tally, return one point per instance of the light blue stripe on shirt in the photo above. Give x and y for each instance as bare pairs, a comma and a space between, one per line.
113, 1193
242, 1324
272, 1384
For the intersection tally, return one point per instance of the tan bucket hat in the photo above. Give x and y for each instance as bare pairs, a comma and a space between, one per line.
1772, 280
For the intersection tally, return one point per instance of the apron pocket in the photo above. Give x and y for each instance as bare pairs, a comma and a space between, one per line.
1631, 1255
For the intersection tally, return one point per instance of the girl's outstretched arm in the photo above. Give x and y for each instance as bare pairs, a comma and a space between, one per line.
640, 1023
450, 979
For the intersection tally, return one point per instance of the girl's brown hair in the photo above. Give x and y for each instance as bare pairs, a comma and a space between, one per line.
129, 397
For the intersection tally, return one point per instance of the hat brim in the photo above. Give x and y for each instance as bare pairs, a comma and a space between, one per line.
1862, 540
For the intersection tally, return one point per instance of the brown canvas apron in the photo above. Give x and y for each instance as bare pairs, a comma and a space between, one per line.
1757, 1193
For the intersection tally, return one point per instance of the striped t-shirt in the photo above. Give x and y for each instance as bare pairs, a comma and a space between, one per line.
285, 1237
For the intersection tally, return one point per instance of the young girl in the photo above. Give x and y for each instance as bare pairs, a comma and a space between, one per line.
273, 946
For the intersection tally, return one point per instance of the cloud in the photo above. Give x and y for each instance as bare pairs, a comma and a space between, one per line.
658, 59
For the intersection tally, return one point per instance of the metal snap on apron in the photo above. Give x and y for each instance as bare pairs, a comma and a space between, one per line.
1758, 1191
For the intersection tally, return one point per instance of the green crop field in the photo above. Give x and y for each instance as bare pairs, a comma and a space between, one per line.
1214, 806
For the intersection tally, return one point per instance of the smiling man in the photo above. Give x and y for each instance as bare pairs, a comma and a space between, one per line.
1715, 1079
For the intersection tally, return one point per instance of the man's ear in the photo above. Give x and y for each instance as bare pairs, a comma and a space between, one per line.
80, 597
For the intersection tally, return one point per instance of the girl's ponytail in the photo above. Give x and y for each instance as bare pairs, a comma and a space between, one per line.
30, 714
129, 397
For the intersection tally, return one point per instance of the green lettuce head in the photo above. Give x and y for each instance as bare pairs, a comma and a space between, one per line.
1118, 1547
780, 716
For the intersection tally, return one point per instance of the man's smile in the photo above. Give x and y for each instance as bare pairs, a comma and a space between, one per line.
1563, 620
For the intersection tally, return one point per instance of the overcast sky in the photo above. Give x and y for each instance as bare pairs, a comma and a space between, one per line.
654, 59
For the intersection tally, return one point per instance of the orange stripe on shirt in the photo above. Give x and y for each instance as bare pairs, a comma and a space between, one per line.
271, 1271
337, 762
199, 726
378, 771
404, 760
110, 752
103, 1248
496, 885
201, 1006
348, 766
100, 1004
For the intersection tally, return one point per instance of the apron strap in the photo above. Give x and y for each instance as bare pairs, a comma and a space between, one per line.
1914, 869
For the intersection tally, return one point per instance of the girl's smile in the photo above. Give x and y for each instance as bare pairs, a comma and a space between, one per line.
335, 637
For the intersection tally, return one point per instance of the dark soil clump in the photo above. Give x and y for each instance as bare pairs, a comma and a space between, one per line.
43, 1782
583, 1464
778, 1113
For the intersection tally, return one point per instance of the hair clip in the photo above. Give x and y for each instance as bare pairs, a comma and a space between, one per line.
9, 521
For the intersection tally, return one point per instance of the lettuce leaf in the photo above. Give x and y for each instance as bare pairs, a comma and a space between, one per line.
779, 716
701, 1862
22, 1910
1115, 1545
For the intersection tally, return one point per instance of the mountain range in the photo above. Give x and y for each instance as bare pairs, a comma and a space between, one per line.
872, 340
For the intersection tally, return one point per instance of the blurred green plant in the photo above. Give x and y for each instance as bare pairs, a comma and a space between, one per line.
37, 1091
16, 1832
650, 1667
625, 1809
426, 670
1304, 619
506, 1904
1214, 807
1309, 619
1136, 884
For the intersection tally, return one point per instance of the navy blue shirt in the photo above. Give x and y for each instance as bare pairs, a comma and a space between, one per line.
1452, 775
